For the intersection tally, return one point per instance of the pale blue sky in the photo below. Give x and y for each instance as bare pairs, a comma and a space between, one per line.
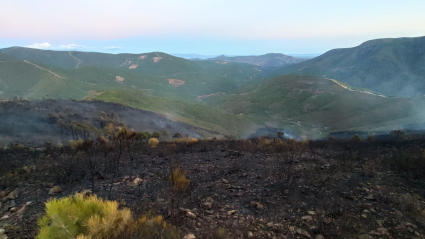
238, 27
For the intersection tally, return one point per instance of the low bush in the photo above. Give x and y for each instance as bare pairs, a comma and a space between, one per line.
153, 142
93, 218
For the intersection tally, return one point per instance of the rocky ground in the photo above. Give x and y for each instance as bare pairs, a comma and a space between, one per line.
237, 190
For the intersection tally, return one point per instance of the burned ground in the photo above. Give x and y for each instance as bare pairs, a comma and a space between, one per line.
28, 122
263, 189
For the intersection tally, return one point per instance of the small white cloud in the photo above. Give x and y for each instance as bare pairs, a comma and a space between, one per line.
112, 47
44, 45
71, 46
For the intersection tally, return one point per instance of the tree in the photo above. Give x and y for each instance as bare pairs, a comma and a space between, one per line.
177, 135
280, 135
397, 133
155, 135
356, 137
164, 135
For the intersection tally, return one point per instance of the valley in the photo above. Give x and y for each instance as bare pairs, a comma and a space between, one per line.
231, 95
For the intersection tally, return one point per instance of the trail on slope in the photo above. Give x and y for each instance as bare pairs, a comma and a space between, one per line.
200, 97
361, 91
79, 61
51, 72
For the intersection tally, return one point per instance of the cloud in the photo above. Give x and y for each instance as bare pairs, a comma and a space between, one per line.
44, 45
71, 46
112, 47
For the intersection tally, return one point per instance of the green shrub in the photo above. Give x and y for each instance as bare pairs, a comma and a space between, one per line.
93, 218
73, 216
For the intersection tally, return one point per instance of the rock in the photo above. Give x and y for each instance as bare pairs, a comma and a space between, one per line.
250, 235
398, 213
312, 213
307, 218
364, 215
257, 205
207, 205
270, 224
231, 212
224, 181
303, 232
383, 231
13, 209
190, 214
189, 236
320, 236
3, 236
12, 195
209, 212
2, 231
2, 194
137, 181
5, 217
369, 197
55, 190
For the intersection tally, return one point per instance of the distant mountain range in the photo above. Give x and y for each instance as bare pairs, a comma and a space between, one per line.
393, 67
368, 87
271, 59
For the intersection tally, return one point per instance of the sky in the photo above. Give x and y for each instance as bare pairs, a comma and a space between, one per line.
207, 27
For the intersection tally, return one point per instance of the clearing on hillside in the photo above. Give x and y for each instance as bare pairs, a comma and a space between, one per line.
133, 66
142, 57
175, 82
119, 78
157, 58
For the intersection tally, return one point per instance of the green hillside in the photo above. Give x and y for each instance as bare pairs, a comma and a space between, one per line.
190, 112
315, 106
95, 72
393, 67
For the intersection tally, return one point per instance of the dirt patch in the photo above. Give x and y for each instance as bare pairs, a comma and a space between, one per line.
222, 62
157, 59
175, 82
134, 66
119, 78
142, 57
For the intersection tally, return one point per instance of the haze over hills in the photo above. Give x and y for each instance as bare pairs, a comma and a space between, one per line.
314, 106
393, 67
337, 91
271, 59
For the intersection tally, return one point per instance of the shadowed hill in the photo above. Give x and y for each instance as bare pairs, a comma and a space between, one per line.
393, 67
28, 121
